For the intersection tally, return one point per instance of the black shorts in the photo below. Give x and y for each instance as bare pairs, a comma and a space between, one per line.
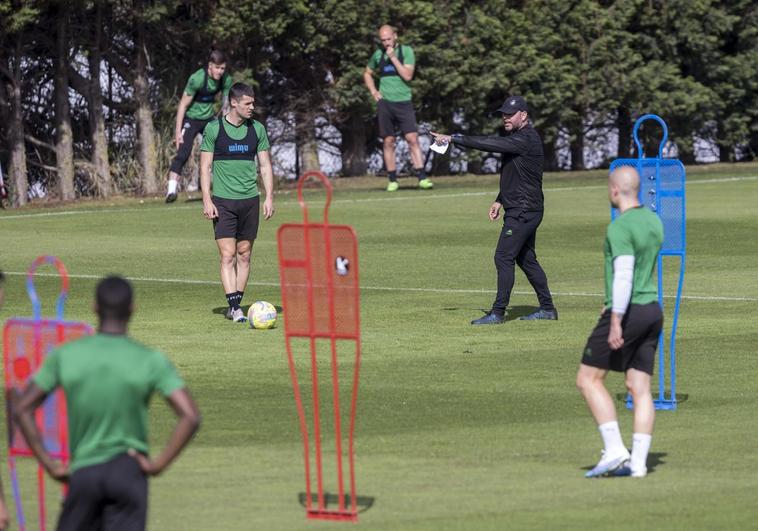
237, 218
190, 129
111, 496
641, 327
396, 115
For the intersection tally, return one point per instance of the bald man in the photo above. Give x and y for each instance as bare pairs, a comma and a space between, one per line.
625, 338
395, 66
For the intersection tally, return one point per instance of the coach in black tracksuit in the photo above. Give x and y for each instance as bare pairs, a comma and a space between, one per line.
521, 198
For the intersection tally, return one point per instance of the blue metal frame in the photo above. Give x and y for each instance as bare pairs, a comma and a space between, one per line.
665, 400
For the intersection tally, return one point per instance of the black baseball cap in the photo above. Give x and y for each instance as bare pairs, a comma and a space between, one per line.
513, 104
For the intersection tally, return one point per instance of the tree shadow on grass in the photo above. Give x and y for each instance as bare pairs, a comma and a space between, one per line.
331, 501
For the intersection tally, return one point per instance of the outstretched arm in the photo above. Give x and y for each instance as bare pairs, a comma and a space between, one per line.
189, 422
32, 398
493, 144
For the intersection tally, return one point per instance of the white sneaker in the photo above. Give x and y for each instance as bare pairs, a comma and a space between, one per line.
608, 463
238, 316
626, 471
192, 187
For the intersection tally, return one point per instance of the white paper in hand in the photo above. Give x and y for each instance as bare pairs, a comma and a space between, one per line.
440, 147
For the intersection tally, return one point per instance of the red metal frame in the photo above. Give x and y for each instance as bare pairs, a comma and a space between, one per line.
315, 332
52, 418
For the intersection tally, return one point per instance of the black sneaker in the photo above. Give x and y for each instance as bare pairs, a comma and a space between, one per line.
548, 315
170, 198
490, 318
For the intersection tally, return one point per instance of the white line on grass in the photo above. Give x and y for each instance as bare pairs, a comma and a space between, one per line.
388, 288
364, 200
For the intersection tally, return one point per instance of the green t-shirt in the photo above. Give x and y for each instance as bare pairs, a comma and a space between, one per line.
199, 110
393, 88
108, 381
234, 179
637, 232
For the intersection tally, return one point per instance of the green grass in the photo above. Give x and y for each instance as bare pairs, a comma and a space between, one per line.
458, 427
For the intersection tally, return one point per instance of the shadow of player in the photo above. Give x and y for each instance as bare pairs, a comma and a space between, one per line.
514, 312
653, 460
331, 501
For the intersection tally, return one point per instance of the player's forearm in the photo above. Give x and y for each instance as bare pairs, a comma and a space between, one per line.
404, 71
368, 79
186, 427
25, 420
491, 144
180, 112
205, 175
267, 176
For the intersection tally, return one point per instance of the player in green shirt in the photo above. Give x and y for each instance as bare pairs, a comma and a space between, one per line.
196, 109
626, 336
395, 66
108, 380
229, 150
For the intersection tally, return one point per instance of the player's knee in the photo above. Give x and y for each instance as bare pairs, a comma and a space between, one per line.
389, 141
637, 386
227, 259
412, 140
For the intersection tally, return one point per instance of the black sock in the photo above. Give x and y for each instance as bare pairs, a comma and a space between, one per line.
392, 176
233, 300
421, 174
239, 297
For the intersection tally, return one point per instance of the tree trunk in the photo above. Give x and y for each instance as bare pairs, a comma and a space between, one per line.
353, 148
305, 129
576, 147
103, 180
16, 179
726, 151
64, 141
624, 126
148, 157
551, 156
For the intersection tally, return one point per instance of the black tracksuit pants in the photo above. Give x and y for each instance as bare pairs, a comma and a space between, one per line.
516, 246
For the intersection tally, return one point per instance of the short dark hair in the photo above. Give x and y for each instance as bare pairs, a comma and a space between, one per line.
240, 89
114, 298
217, 56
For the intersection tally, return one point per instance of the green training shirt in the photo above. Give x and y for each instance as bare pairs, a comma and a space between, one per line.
637, 232
234, 179
108, 381
197, 109
393, 88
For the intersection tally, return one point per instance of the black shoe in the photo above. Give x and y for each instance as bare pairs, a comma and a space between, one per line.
490, 318
170, 198
548, 315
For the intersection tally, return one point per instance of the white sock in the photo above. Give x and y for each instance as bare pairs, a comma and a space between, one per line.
640, 448
612, 438
172, 184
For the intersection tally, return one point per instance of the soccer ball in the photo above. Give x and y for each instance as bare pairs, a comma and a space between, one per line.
261, 315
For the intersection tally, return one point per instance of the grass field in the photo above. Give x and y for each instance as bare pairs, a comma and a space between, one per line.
458, 427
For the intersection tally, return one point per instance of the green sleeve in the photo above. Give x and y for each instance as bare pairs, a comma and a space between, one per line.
227, 84
373, 62
620, 240
260, 131
409, 58
193, 83
167, 380
48, 376
209, 136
